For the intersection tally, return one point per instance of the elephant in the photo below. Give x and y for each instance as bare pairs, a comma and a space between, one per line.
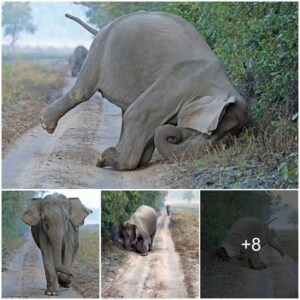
168, 209
76, 60
246, 229
139, 230
172, 89
55, 222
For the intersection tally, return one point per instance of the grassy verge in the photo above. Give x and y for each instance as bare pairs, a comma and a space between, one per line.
290, 241
253, 160
185, 234
26, 90
8, 248
111, 259
86, 264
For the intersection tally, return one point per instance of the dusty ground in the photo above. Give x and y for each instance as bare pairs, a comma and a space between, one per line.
24, 275
224, 280
158, 275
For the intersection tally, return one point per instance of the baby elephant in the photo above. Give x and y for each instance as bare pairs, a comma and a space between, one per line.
248, 229
55, 222
139, 230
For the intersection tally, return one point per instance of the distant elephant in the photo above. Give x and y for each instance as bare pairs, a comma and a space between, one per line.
172, 89
247, 229
76, 60
139, 230
168, 209
55, 222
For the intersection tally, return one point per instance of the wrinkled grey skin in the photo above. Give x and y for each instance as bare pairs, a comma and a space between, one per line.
154, 66
55, 222
247, 229
168, 209
76, 60
139, 230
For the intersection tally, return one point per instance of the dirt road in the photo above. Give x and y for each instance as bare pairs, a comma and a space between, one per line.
67, 158
158, 275
279, 280
25, 277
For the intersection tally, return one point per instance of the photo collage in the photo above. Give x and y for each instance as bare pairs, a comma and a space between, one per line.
149, 150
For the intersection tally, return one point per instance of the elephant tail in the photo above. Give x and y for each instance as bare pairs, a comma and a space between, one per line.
84, 25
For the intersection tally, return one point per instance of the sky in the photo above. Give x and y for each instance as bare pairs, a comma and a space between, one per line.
178, 196
54, 29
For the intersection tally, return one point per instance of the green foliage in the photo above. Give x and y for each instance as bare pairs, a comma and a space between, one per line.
13, 204
258, 44
118, 206
219, 210
16, 17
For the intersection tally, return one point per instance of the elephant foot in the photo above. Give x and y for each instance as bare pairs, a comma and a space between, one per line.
47, 121
144, 254
112, 158
50, 292
64, 280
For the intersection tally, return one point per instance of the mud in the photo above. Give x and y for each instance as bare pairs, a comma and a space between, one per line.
158, 275
67, 158
24, 276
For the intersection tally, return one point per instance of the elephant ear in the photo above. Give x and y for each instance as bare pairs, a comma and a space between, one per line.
78, 212
204, 114
32, 216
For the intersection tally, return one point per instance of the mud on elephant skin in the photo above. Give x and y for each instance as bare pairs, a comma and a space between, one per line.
172, 89
55, 222
139, 230
244, 229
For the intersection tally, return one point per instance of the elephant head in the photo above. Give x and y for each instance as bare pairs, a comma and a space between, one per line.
129, 233
54, 213
196, 123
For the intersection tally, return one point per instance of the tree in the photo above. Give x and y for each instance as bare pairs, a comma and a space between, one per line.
293, 218
16, 17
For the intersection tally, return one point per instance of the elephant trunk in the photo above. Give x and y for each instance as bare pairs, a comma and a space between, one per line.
172, 141
56, 240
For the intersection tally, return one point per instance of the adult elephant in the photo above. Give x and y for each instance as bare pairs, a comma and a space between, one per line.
248, 229
76, 60
172, 89
139, 230
55, 222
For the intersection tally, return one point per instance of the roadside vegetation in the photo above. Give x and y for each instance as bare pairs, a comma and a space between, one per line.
185, 234
26, 89
258, 44
290, 241
86, 264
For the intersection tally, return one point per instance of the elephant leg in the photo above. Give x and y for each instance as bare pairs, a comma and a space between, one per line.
83, 89
147, 154
152, 238
255, 261
153, 108
70, 249
51, 276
